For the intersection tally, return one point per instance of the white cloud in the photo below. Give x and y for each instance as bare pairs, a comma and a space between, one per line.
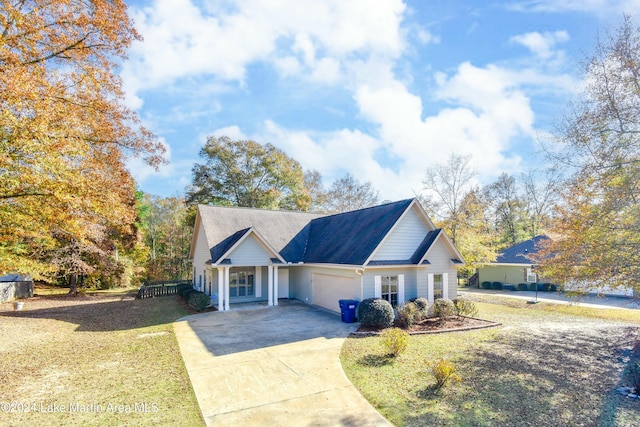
182, 40
541, 44
599, 7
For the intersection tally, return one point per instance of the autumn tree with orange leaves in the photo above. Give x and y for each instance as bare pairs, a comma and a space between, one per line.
65, 134
596, 235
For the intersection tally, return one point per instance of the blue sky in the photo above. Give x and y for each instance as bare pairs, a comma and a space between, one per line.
381, 89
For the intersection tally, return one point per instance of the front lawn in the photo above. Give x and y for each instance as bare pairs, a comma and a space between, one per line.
97, 359
548, 365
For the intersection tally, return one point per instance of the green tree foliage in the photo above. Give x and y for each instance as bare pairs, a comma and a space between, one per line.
508, 209
248, 174
597, 232
167, 232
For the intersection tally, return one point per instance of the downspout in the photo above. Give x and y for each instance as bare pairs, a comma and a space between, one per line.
359, 272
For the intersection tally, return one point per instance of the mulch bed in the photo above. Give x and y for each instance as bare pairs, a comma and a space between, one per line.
436, 326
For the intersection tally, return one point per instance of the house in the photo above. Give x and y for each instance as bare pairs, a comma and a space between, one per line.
513, 265
391, 251
14, 286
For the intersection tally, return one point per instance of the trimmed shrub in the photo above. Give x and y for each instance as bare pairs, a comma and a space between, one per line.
395, 341
486, 285
375, 312
443, 370
423, 307
533, 286
185, 294
199, 300
465, 308
552, 288
545, 287
522, 287
444, 309
497, 286
408, 315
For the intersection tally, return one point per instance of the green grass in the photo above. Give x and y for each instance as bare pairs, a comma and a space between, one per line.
547, 365
101, 351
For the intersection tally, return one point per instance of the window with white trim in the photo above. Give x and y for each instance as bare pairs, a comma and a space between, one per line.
438, 282
241, 282
389, 289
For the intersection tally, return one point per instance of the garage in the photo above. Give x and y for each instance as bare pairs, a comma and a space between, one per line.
328, 289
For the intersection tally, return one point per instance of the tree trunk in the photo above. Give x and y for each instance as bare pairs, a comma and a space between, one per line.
73, 284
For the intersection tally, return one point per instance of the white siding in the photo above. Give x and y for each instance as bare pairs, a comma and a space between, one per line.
249, 253
410, 290
404, 239
440, 263
201, 254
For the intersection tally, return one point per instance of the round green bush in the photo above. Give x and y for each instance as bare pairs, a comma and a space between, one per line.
552, 288
423, 306
375, 312
498, 286
199, 300
185, 294
486, 285
522, 287
545, 287
408, 314
444, 308
533, 286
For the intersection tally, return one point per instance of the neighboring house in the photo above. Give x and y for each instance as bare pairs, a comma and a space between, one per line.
513, 265
13, 286
391, 251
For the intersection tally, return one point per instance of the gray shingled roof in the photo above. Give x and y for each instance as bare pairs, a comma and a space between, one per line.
224, 226
351, 237
519, 254
347, 238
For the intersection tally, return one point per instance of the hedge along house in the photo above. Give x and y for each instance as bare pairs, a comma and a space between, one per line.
392, 251
513, 265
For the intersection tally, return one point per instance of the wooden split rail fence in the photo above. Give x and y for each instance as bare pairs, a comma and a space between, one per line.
160, 289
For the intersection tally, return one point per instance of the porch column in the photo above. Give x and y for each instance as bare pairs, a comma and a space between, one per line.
270, 285
275, 285
226, 287
221, 296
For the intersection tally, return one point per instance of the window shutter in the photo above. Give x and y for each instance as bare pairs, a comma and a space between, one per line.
430, 287
445, 285
377, 289
400, 288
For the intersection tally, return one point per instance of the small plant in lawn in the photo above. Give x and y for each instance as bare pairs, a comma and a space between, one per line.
375, 312
395, 341
465, 308
443, 370
444, 309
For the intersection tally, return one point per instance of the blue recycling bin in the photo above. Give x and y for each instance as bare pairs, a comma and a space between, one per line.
348, 309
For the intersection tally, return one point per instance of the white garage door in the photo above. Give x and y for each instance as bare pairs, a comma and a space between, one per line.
328, 289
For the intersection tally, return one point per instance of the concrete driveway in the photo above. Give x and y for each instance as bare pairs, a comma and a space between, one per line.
268, 366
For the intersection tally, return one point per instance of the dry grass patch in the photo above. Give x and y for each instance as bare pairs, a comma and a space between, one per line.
96, 359
547, 366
